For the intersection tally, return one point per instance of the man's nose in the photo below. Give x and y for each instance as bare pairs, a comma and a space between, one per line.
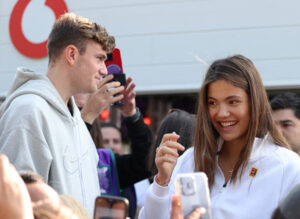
279, 128
103, 69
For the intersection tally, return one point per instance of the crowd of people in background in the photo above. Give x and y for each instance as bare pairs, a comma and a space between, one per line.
56, 156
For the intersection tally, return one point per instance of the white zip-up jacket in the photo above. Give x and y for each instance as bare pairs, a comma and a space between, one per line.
278, 170
38, 133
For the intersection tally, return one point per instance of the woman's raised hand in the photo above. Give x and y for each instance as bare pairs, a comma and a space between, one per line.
166, 157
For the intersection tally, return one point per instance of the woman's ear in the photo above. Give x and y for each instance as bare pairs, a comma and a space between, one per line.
71, 54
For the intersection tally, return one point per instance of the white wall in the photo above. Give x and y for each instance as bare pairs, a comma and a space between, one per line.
160, 38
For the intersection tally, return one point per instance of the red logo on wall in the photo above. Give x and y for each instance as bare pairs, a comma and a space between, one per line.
23, 45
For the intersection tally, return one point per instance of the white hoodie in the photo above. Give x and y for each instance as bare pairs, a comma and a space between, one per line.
278, 170
38, 133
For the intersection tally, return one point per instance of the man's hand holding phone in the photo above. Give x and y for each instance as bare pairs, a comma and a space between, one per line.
102, 98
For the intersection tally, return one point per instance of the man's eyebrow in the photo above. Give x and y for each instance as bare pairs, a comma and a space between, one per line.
102, 55
286, 121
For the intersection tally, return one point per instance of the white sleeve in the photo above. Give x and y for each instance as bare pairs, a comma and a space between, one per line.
157, 202
158, 198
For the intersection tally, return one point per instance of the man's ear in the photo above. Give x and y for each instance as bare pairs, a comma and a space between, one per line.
71, 54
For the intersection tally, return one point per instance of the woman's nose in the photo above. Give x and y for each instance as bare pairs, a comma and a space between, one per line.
223, 111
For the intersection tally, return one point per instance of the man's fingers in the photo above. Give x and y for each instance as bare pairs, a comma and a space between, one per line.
130, 88
105, 80
117, 98
128, 91
116, 91
107, 86
128, 81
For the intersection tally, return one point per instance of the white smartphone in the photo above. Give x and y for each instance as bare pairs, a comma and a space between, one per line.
194, 192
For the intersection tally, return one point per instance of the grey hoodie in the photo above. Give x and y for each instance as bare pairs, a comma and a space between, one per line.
38, 133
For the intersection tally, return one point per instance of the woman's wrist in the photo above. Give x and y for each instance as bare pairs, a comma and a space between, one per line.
160, 181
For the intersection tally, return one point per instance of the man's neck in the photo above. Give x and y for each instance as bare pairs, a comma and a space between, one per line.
57, 75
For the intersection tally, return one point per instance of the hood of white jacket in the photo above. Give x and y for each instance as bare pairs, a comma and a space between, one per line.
27, 81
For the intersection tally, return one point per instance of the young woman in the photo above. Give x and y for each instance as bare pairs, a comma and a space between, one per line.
237, 145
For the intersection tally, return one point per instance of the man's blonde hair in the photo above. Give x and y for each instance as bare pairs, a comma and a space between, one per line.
71, 29
47, 209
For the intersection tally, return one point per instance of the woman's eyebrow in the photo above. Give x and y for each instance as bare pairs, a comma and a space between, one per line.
229, 97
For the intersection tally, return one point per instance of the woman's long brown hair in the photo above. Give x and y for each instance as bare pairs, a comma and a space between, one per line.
241, 72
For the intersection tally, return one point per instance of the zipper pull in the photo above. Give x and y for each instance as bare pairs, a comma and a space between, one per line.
223, 187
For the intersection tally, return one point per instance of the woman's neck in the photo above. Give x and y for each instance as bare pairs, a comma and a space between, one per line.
229, 155
232, 149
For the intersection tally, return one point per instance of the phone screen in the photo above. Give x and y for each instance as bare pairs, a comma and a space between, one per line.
110, 208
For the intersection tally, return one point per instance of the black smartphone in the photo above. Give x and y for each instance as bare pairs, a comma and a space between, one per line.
110, 207
114, 67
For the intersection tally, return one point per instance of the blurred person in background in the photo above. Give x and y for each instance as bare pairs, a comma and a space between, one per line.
289, 207
46, 209
74, 205
286, 113
46, 200
38, 189
112, 137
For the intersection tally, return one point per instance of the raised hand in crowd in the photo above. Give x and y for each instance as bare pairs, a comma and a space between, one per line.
101, 99
176, 212
14, 198
166, 157
129, 104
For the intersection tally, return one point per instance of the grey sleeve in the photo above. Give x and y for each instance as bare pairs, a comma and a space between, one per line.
26, 151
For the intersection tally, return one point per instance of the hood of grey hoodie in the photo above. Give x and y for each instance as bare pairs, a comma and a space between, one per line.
27, 81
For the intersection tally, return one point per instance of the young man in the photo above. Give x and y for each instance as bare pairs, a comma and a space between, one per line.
41, 127
286, 113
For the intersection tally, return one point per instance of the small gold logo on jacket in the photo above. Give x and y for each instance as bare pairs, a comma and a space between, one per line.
253, 172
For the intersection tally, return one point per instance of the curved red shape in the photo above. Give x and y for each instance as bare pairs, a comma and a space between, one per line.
24, 46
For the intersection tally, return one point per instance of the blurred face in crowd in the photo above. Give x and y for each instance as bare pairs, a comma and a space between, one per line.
41, 191
289, 126
112, 139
